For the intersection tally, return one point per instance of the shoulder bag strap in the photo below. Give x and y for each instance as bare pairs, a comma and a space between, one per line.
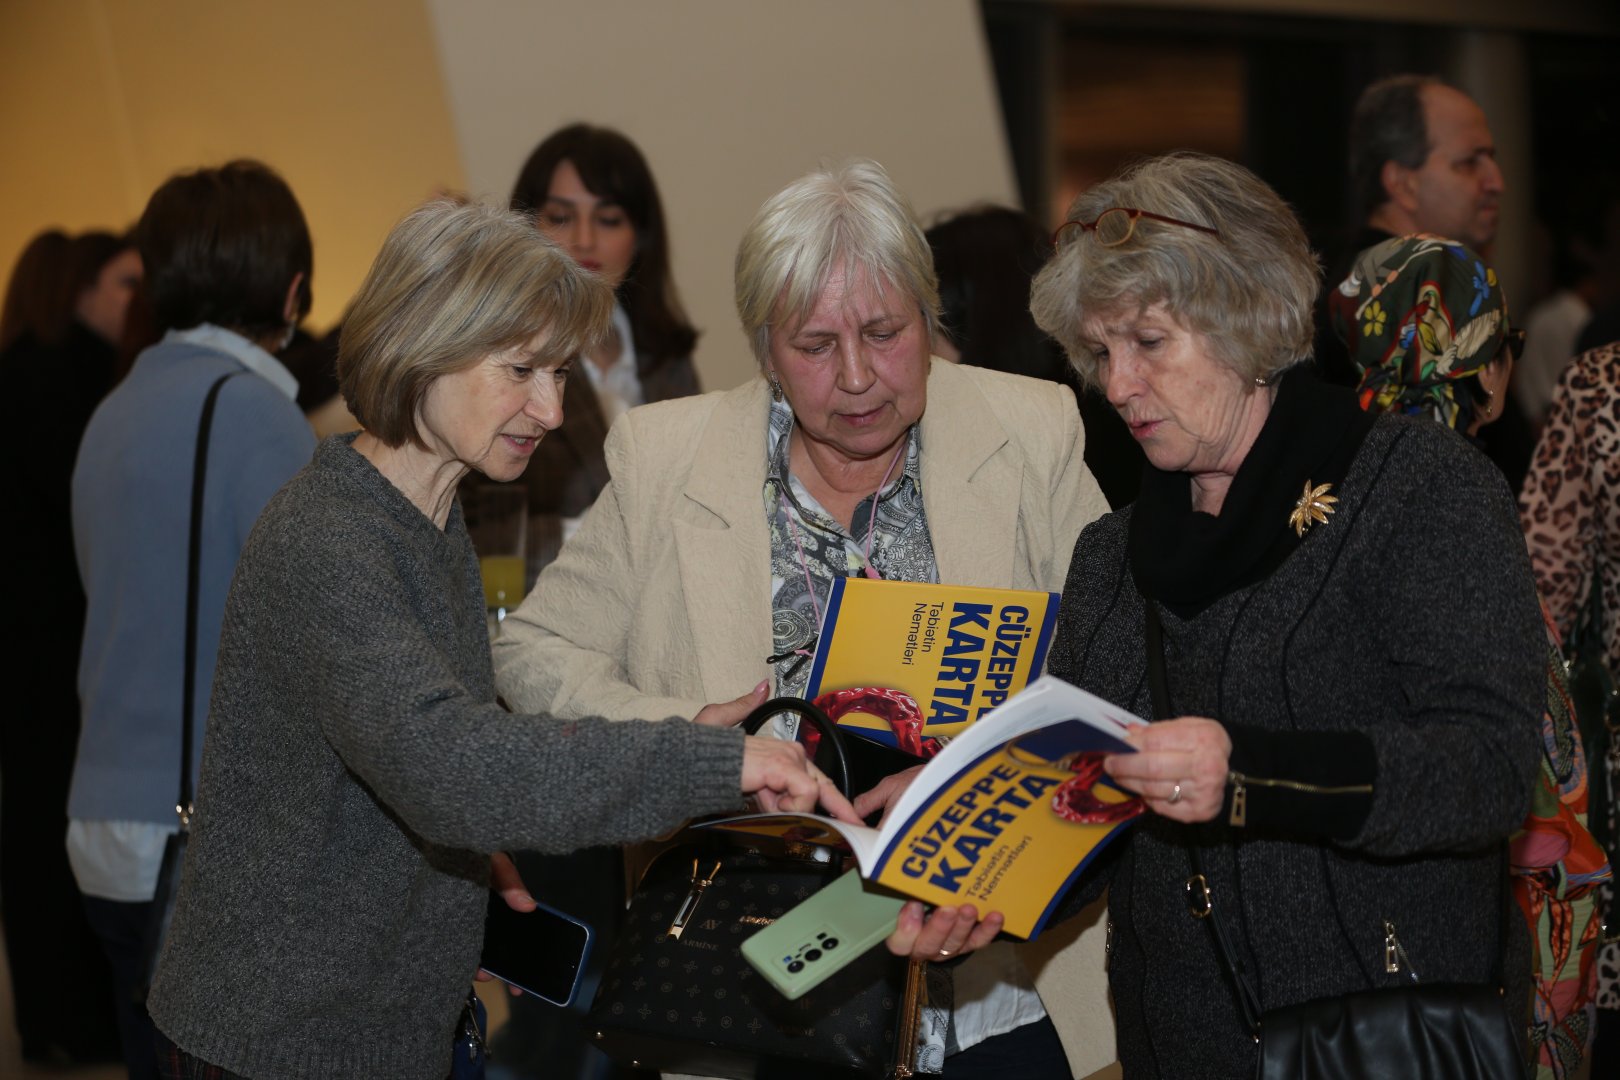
1248, 998
1198, 885
188, 697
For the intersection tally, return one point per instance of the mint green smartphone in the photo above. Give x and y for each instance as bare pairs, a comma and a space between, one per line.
815, 940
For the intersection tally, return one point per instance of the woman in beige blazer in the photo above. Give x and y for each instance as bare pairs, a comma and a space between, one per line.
727, 514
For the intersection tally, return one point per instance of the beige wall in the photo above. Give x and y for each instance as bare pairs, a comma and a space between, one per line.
100, 100
730, 100
368, 105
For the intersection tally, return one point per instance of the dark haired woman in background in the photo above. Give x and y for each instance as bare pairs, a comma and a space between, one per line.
590, 190
64, 319
985, 258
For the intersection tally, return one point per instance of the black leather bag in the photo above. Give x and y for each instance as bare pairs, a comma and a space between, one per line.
1439, 1030
1425, 1031
678, 995
1593, 692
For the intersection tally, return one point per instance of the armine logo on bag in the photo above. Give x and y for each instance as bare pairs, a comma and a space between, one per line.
754, 920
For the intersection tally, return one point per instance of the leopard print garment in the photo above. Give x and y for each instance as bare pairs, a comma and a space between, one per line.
1570, 506
1570, 509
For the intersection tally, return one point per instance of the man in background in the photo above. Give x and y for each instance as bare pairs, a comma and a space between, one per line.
1422, 159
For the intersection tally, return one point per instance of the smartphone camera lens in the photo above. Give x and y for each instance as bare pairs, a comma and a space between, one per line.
830, 943
796, 967
813, 955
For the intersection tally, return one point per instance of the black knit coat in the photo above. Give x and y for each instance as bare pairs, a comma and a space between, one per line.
1410, 616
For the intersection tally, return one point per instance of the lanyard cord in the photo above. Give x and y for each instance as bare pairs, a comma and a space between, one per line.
866, 555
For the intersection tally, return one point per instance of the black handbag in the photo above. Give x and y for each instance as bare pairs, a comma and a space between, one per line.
1596, 698
174, 848
678, 996
1432, 1031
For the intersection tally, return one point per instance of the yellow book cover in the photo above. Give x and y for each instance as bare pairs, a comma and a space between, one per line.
912, 664
1006, 816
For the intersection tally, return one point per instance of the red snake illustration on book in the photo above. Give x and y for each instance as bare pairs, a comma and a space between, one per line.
897, 708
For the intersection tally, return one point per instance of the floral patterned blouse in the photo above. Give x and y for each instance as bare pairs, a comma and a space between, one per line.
809, 548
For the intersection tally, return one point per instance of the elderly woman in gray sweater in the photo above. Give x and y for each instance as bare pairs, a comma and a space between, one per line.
357, 771
1336, 617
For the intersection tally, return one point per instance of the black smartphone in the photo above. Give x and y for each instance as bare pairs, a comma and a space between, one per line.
541, 952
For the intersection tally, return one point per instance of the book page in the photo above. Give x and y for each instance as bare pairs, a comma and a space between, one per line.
1011, 811
1005, 817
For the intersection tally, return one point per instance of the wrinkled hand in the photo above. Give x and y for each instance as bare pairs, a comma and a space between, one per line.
1192, 752
947, 932
505, 879
779, 776
731, 713
885, 793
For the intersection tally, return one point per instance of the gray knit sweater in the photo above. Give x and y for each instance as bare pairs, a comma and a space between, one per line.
356, 774
1409, 617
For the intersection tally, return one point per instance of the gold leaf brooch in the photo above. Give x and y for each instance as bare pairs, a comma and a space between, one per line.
1314, 505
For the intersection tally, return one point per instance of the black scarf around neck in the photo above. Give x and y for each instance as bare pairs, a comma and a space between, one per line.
1187, 559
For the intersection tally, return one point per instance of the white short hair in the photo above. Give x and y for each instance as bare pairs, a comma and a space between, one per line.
849, 218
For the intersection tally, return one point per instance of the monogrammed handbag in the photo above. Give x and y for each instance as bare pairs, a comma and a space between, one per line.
678, 995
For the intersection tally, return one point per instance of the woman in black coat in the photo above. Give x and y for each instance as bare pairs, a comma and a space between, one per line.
1352, 655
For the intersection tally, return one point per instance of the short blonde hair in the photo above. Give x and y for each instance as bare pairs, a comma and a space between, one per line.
1251, 289
454, 282
849, 218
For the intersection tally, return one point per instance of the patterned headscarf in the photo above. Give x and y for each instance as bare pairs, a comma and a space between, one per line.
1418, 314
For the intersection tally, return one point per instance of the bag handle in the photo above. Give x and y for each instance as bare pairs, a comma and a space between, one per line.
831, 738
184, 806
1159, 690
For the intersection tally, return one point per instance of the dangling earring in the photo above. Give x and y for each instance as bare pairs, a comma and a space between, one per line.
776, 387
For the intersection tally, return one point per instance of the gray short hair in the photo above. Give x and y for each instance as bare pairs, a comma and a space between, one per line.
1387, 125
453, 283
850, 217
1250, 290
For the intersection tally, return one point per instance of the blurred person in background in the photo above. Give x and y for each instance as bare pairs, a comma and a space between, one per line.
227, 257
1586, 271
986, 258
38, 293
1570, 509
590, 189
1422, 160
65, 310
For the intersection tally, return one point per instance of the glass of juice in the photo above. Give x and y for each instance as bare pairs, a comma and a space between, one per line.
497, 519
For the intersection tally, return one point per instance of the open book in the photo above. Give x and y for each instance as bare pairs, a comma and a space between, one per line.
1005, 816
912, 664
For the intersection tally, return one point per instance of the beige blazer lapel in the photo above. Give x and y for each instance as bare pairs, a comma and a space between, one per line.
970, 480
723, 546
